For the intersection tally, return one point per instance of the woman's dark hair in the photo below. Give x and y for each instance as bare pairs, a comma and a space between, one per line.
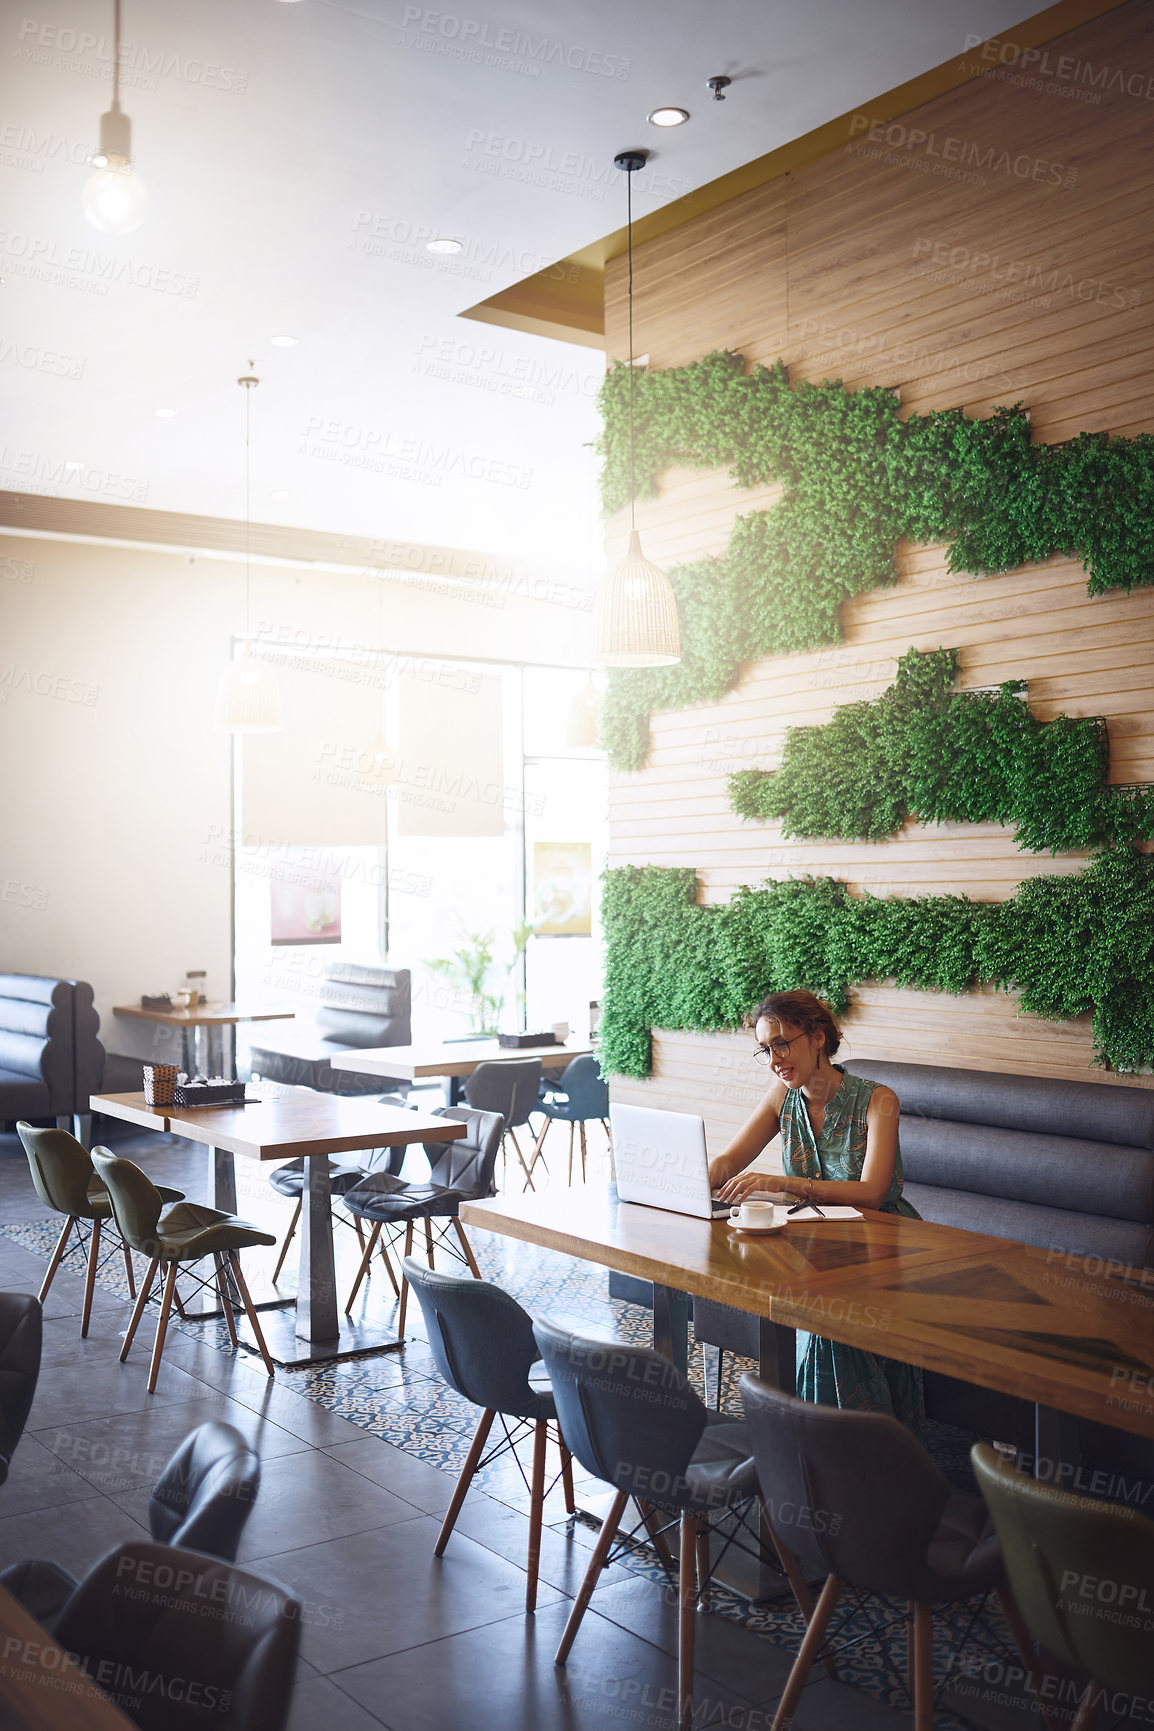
799, 1010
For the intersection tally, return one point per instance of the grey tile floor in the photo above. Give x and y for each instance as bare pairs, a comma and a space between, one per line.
391, 1636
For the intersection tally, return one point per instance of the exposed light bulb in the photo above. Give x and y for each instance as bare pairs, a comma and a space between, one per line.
115, 199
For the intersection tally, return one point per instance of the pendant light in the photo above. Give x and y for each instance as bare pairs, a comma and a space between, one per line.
635, 616
114, 197
248, 696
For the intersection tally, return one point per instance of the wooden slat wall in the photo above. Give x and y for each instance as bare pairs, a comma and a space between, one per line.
833, 270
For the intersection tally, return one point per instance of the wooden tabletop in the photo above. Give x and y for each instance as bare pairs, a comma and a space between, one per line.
411, 1063
204, 1016
40, 1688
285, 1123
1027, 1322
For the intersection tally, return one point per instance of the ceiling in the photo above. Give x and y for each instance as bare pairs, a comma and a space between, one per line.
298, 155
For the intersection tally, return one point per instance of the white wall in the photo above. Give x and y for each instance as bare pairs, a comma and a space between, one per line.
115, 779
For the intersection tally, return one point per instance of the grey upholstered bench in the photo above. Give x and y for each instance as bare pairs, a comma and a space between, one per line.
1062, 1165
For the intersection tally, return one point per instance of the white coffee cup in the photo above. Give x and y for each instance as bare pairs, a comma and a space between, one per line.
751, 1213
561, 1032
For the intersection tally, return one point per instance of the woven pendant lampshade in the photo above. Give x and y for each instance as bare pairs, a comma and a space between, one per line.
635, 616
248, 697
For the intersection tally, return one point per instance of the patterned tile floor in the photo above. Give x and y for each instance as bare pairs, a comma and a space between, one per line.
400, 1398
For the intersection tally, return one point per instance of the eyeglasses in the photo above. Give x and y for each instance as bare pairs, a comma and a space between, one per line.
775, 1049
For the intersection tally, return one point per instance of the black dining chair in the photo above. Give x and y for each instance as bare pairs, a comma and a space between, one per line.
149, 1621
459, 1171
510, 1089
201, 1502
482, 1342
633, 1421
858, 1499
581, 1095
21, 1338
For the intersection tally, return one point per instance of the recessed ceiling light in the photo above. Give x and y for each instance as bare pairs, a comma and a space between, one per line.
74, 465
669, 117
284, 342
279, 493
444, 244
164, 414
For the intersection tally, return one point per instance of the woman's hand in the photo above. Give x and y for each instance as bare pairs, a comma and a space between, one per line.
746, 1183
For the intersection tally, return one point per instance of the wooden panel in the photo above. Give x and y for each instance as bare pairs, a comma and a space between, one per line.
891, 273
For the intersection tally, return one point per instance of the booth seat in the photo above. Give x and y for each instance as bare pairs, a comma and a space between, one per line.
360, 1007
1067, 1166
50, 1056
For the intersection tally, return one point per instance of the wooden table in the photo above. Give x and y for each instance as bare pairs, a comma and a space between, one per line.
210, 1017
454, 1061
40, 1688
282, 1124
1077, 1342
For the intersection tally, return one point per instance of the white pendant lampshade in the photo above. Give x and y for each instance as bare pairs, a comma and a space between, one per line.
635, 616
248, 697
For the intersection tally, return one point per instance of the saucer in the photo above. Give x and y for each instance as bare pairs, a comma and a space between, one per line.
756, 1231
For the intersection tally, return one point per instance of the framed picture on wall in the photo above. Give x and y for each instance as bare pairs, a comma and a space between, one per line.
305, 904
562, 889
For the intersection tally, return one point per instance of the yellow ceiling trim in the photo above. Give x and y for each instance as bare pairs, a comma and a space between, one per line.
567, 301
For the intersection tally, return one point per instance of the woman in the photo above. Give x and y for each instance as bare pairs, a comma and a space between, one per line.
839, 1143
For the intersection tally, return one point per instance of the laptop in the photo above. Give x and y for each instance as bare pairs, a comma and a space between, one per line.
662, 1162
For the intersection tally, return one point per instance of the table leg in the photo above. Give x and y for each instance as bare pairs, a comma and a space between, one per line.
1057, 1449
188, 1051
317, 1286
671, 1325
222, 1180
777, 1354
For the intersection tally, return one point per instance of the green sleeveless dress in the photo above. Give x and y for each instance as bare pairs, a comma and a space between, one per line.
827, 1372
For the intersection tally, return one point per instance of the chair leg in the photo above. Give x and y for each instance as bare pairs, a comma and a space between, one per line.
584, 1149
57, 1254
923, 1668
250, 1311
527, 1170
597, 1562
142, 1300
476, 1450
364, 1268
468, 1249
704, 1565
789, 1566
540, 1143
161, 1327
569, 1178
130, 1271
713, 1367
1025, 1646
687, 1605
90, 1279
566, 1476
288, 1238
429, 1241
404, 1305
536, 1512
388, 1262
225, 1302
807, 1652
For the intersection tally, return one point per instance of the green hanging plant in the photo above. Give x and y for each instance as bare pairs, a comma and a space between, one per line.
948, 756
856, 479
1066, 945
